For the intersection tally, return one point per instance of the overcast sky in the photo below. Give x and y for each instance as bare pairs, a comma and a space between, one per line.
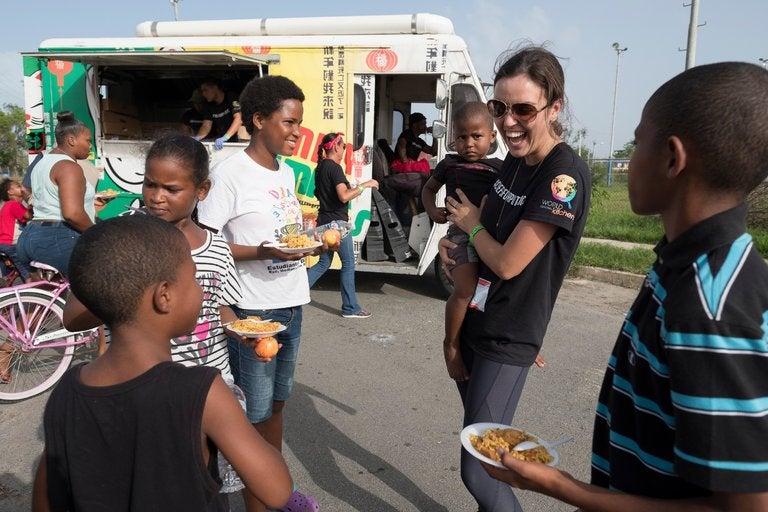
581, 33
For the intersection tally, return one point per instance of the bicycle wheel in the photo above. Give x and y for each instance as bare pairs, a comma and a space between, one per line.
33, 371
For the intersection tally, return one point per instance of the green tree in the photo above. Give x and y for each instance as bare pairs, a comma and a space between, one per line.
577, 139
626, 151
13, 147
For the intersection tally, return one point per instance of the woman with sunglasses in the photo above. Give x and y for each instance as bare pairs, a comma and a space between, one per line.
333, 191
525, 236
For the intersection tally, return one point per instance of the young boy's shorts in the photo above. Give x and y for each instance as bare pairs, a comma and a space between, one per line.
463, 252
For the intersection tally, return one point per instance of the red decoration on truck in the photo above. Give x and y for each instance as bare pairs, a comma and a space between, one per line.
256, 50
381, 60
60, 68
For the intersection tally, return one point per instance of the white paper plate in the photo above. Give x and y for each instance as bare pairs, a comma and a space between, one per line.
479, 428
294, 250
263, 334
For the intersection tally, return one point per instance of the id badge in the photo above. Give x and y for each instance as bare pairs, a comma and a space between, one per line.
481, 294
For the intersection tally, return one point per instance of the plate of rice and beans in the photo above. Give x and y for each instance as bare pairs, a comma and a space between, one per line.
295, 244
482, 440
252, 328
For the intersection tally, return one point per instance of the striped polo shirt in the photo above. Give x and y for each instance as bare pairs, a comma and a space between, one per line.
683, 409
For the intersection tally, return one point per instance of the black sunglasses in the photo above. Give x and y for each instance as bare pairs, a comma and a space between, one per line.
522, 111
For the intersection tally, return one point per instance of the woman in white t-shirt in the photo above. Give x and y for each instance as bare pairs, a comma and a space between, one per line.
252, 203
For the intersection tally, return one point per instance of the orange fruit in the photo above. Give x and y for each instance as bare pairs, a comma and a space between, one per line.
332, 237
266, 347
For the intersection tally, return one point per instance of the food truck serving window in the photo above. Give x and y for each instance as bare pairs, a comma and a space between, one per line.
142, 94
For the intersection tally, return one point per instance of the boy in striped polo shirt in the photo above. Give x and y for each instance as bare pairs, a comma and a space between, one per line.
682, 417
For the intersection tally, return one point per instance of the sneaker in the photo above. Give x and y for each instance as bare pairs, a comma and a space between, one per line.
300, 502
360, 314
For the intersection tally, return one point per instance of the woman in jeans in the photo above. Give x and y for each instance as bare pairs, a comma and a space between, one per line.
63, 199
334, 192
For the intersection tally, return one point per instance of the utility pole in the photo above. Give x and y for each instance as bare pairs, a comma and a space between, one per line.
690, 51
175, 4
619, 51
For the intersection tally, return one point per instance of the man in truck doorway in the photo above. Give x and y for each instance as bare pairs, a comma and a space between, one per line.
221, 117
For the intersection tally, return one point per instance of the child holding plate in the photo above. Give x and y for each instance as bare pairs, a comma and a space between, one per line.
253, 204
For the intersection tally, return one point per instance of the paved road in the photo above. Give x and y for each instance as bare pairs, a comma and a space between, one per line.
374, 421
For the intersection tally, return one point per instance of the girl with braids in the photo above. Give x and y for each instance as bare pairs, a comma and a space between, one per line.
63, 198
333, 191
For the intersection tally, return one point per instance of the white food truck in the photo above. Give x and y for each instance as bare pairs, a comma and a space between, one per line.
362, 75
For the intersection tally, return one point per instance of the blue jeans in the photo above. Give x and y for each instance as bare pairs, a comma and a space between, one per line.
264, 383
346, 252
10, 250
50, 244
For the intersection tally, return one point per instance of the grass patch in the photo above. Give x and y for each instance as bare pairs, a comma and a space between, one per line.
760, 239
636, 261
611, 218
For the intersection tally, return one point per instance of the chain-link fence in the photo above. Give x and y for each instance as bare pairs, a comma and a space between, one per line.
599, 169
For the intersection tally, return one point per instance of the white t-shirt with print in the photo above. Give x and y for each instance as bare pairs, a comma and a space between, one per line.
250, 204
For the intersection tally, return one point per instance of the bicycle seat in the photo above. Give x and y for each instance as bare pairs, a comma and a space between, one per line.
47, 272
43, 266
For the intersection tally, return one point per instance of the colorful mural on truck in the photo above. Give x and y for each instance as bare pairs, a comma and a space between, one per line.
327, 76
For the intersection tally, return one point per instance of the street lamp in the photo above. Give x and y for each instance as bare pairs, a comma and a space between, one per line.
175, 4
619, 51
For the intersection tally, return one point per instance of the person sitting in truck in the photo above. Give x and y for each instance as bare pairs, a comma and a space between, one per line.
221, 117
410, 146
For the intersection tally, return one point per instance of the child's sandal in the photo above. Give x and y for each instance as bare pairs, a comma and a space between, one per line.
5, 377
300, 502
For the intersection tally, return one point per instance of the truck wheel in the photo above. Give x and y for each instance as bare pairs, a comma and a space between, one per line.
444, 283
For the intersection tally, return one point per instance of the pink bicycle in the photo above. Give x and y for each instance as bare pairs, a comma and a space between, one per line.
35, 348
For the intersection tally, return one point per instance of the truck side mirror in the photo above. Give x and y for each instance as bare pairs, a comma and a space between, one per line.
439, 129
441, 94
